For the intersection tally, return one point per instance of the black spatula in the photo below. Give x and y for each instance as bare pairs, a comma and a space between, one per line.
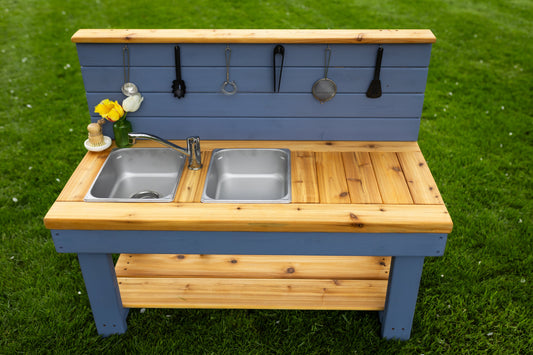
178, 85
374, 90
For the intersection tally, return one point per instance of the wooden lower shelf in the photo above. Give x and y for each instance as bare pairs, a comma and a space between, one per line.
284, 282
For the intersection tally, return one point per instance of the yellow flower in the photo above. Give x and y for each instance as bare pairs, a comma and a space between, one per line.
111, 111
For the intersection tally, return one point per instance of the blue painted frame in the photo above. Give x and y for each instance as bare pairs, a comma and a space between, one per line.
95, 248
256, 113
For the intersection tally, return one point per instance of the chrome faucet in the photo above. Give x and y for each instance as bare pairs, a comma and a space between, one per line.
192, 151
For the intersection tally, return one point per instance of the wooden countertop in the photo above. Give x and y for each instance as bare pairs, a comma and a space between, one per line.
337, 186
251, 36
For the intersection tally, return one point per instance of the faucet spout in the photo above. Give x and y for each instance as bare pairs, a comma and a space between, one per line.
192, 151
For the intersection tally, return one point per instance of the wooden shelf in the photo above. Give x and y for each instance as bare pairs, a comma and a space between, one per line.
253, 281
251, 36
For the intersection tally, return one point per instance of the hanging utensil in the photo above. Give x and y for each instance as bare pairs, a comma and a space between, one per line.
178, 85
228, 87
325, 89
374, 90
128, 89
279, 50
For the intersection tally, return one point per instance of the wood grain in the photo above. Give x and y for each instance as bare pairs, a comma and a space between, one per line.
332, 185
303, 178
419, 179
81, 180
251, 36
252, 293
254, 266
390, 178
191, 184
351, 218
360, 178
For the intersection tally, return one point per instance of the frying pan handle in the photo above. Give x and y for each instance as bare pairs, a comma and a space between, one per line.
378, 63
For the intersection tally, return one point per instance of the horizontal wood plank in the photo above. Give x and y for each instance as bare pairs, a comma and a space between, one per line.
251, 36
251, 105
254, 266
351, 218
254, 55
254, 79
252, 293
277, 128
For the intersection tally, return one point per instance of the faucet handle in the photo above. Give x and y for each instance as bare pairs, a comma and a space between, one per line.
195, 157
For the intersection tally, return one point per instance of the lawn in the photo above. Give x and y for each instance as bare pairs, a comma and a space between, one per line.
475, 134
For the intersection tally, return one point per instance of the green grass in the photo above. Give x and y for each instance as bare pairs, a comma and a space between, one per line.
476, 135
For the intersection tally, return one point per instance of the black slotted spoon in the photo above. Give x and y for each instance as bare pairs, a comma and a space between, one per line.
374, 90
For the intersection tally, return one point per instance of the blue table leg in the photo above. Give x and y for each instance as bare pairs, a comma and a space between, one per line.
404, 280
102, 287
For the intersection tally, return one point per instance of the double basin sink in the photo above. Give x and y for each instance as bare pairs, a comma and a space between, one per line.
234, 176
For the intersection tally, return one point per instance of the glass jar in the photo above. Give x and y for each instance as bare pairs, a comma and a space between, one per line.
121, 128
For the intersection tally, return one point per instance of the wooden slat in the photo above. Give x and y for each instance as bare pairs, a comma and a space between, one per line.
332, 185
313, 146
81, 180
250, 105
255, 79
251, 36
391, 180
392, 218
192, 182
206, 158
303, 176
419, 179
360, 178
254, 266
253, 293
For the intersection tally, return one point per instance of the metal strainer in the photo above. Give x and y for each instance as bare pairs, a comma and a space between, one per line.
325, 89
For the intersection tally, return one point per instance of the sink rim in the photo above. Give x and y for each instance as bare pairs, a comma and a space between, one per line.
287, 198
89, 197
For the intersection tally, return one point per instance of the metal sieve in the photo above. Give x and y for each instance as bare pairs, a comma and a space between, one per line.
325, 89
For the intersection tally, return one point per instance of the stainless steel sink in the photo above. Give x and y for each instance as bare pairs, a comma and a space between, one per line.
138, 175
248, 176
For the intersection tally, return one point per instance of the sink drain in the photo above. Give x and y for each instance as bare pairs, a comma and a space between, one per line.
145, 195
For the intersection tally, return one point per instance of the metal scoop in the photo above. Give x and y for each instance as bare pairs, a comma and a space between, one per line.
128, 89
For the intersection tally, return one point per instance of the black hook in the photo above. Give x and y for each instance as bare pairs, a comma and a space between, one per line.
278, 50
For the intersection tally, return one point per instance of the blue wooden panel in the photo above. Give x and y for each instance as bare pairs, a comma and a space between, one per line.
283, 128
254, 243
102, 288
270, 105
404, 280
400, 55
254, 79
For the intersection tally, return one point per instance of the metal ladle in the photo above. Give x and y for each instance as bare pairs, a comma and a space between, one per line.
228, 84
128, 89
